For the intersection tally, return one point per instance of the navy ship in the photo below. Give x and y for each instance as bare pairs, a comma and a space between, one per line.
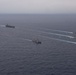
36, 41
9, 26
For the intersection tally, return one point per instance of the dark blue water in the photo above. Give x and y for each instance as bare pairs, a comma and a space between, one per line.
55, 56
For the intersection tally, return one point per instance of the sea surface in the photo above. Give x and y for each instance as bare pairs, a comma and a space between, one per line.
56, 55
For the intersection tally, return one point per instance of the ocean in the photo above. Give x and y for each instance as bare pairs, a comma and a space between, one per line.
56, 55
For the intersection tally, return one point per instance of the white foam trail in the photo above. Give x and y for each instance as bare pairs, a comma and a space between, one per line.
58, 30
27, 39
2, 25
59, 39
54, 34
58, 34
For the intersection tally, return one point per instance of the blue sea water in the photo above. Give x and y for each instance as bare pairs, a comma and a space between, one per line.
55, 56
